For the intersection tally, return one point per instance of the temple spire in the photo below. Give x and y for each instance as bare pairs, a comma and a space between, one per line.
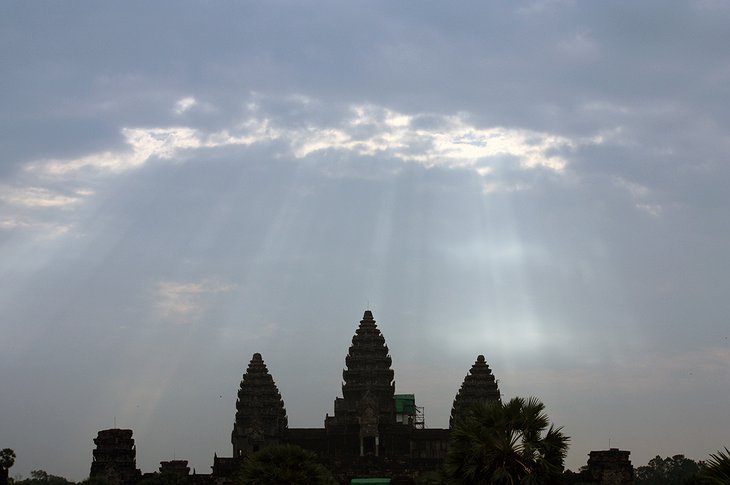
260, 414
367, 382
368, 363
479, 385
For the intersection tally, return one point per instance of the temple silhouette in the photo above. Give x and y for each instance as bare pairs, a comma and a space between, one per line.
374, 432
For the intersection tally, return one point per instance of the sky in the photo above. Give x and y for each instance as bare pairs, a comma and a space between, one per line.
185, 183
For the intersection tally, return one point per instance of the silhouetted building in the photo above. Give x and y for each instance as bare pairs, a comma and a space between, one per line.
114, 458
605, 467
374, 432
260, 414
479, 385
174, 468
612, 466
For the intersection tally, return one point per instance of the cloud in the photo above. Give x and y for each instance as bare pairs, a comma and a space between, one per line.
455, 143
186, 299
47, 230
144, 143
449, 141
580, 46
36, 209
640, 194
39, 197
185, 104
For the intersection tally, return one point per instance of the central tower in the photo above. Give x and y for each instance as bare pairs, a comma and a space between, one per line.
368, 373
367, 404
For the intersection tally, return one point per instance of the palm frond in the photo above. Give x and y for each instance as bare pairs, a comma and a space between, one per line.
716, 470
506, 443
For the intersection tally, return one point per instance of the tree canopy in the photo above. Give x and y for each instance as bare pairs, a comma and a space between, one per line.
42, 477
285, 465
7, 458
675, 470
506, 443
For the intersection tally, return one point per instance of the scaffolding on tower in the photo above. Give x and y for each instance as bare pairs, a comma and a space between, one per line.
406, 411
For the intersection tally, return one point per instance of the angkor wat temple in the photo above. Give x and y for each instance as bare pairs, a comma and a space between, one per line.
374, 432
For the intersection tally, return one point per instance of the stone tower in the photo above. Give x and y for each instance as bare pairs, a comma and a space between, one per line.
114, 458
611, 467
175, 470
367, 403
260, 415
368, 378
479, 385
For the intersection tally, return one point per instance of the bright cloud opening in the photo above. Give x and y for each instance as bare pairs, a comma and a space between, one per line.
369, 131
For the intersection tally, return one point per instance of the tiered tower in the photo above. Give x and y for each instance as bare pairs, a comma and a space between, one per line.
368, 378
114, 458
479, 385
260, 415
368, 388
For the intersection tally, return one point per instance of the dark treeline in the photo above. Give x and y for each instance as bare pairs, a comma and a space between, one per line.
674, 470
41, 477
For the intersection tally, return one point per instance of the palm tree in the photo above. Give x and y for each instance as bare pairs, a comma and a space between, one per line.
7, 459
716, 470
285, 465
498, 443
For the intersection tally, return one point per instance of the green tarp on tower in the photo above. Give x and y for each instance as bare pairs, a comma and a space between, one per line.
405, 403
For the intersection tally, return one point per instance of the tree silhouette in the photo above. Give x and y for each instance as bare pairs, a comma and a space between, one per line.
716, 470
7, 459
677, 470
498, 443
285, 465
42, 477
